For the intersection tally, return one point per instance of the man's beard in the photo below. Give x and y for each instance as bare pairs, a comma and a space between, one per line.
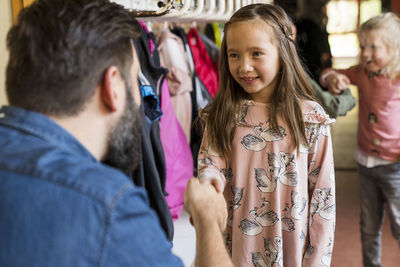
123, 151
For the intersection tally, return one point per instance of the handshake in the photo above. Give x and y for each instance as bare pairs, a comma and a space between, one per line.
335, 82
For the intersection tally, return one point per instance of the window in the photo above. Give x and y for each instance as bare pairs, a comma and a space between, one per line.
344, 17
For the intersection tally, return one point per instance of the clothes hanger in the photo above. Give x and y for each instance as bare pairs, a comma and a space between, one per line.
238, 4
176, 13
198, 9
219, 14
190, 10
210, 6
229, 9
165, 8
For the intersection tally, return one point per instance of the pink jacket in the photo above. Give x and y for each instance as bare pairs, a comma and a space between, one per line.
379, 113
172, 55
178, 156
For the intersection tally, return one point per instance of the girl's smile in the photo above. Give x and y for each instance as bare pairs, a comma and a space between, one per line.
249, 80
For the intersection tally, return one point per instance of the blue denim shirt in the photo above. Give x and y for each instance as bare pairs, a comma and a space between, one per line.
60, 207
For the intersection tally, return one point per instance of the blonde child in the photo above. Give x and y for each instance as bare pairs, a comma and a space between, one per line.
377, 77
267, 146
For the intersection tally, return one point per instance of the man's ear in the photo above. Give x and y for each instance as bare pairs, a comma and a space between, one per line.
110, 88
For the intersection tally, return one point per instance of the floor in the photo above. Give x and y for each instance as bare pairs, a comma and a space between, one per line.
347, 248
184, 243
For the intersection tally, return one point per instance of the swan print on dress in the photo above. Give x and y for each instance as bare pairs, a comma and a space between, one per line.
235, 203
273, 254
228, 174
204, 162
313, 174
314, 130
327, 257
241, 116
259, 141
287, 222
298, 205
258, 260
283, 167
204, 159
238, 195
263, 218
322, 203
266, 183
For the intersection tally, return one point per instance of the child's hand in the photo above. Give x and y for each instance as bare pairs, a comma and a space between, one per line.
214, 181
336, 83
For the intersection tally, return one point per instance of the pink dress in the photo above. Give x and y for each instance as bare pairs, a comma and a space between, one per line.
281, 205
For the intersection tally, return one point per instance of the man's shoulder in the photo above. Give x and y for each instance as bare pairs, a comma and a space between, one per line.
71, 207
46, 166
94, 180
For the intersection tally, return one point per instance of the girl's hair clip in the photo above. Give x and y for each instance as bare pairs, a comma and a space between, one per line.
290, 37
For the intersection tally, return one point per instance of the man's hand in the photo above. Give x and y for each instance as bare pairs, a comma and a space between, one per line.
204, 204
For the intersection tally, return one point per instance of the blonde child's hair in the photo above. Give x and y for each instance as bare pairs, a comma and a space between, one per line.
388, 24
291, 89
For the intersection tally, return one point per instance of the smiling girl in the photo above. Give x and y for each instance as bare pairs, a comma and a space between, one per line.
267, 146
378, 153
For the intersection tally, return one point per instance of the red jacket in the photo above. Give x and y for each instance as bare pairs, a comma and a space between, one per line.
205, 68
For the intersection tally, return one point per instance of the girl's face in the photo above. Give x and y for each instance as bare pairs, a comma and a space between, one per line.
375, 54
253, 58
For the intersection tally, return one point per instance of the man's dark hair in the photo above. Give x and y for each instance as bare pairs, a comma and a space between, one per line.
60, 50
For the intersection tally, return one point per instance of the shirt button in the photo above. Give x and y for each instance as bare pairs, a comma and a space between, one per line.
372, 118
376, 141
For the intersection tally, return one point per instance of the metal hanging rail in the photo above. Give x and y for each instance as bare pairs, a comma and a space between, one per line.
191, 10
165, 8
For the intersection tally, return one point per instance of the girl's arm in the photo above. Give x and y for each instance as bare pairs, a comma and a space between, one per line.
322, 209
211, 166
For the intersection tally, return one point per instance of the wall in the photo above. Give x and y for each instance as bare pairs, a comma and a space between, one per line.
396, 7
5, 23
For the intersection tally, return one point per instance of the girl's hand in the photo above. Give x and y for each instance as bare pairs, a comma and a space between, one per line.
214, 181
336, 83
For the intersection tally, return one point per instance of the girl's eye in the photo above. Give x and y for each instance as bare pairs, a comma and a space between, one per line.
257, 54
233, 55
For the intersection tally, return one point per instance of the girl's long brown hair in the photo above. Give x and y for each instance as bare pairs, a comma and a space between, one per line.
292, 83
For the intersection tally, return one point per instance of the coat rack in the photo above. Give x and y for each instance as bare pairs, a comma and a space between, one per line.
174, 10
193, 10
